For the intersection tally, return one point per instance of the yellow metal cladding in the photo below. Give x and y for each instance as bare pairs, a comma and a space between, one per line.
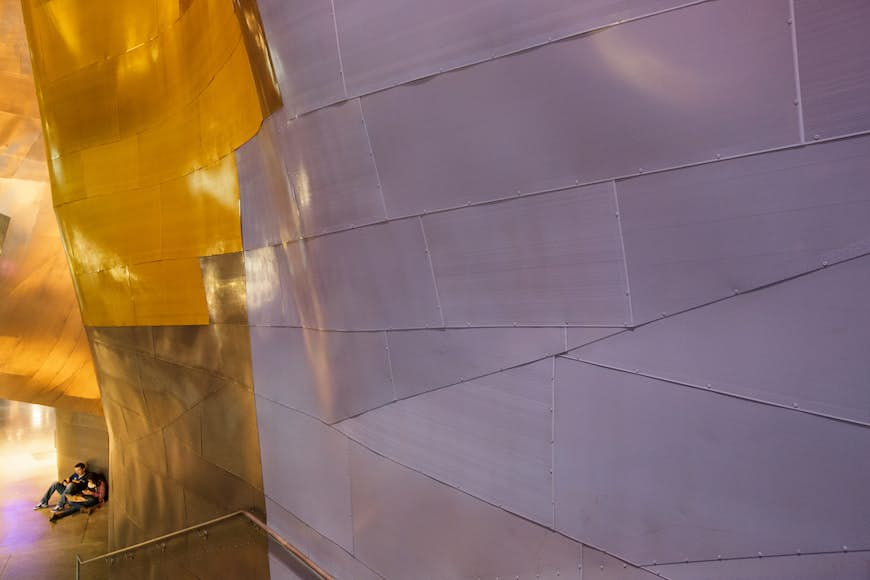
143, 104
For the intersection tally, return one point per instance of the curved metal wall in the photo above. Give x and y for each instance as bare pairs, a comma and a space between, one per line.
525, 278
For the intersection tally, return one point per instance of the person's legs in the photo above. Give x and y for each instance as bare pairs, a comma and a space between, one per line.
74, 507
61, 502
54, 487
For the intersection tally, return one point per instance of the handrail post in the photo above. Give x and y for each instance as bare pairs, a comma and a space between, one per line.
78, 566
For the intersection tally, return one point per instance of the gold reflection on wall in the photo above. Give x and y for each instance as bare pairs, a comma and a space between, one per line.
143, 104
44, 354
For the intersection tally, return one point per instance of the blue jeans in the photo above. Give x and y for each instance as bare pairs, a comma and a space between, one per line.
59, 488
75, 506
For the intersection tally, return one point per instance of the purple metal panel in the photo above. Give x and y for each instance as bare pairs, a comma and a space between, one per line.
305, 469
329, 161
834, 56
594, 107
407, 525
695, 235
600, 566
304, 51
270, 288
427, 359
842, 566
802, 342
387, 42
369, 278
269, 212
490, 437
330, 375
578, 336
325, 553
552, 258
658, 472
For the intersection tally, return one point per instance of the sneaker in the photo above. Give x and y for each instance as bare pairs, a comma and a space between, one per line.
40, 506
58, 508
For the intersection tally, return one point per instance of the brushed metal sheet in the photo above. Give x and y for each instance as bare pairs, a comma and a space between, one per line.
552, 258
694, 235
330, 166
598, 565
490, 438
834, 56
577, 336
327, 554
131, 337
171, 389
227, 433
423, 360
386, 42
594, 107
306, 470
268, 207
221, 348
843, 566
407, 525
658, 472
304, 51
371, 278
223, 277
330, 375
270, 288
802, 342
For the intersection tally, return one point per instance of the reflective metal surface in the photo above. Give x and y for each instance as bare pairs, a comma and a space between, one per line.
834, 59
844, 566
44, 354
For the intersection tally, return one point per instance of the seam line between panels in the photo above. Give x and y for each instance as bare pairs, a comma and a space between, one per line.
624, 254
717, 391
362, 115
432, 271
756, 557
495, 56
389, 355
338, 47
799, 101
553, 440
577, 184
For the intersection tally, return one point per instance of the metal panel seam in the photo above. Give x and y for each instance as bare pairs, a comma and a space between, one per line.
624, 255
799, 102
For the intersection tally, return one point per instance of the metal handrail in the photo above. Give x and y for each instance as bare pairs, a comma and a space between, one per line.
254, 519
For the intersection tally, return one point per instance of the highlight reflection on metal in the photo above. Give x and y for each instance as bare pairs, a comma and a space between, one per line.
141, 121
44, 356
436, 344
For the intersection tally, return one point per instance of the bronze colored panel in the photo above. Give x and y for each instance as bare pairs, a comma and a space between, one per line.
223, 349
188, 429
119, 377
227, 435
148, 451
81, 437
171, 389
157, 505
225, 293
131, 337
257, 49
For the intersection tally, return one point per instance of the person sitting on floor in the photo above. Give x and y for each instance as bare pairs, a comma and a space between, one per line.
95, 494
70, 485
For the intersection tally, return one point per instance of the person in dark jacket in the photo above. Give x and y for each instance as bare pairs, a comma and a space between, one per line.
95, 494
72, 484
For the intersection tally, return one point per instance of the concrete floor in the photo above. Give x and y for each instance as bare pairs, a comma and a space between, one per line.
30, 546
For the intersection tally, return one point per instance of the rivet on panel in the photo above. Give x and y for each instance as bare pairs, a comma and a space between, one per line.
845, 548
602, 567
759, 555
816, 137
796, 102
824, 262
795, 405
788, 21
718, 156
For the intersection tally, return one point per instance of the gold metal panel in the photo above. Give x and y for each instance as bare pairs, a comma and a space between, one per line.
106, 297
224, 349
111, 168
68, 170
225, 288
168, 290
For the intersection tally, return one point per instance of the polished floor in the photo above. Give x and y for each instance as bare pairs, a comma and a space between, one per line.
30, 546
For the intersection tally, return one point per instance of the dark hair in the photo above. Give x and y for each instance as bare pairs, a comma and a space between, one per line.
80, 464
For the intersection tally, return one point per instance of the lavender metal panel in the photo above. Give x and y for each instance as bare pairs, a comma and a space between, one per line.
594, 107
369, 278
387, 42
490, 437
329, 161
270, 288
553, 258
598, 565
305, 469
576, 336
834, 56
304, 51
326, 554
330, 375
407, 525
803, 342
658, 472
842, 566
268, 208
695, 235
423, 360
